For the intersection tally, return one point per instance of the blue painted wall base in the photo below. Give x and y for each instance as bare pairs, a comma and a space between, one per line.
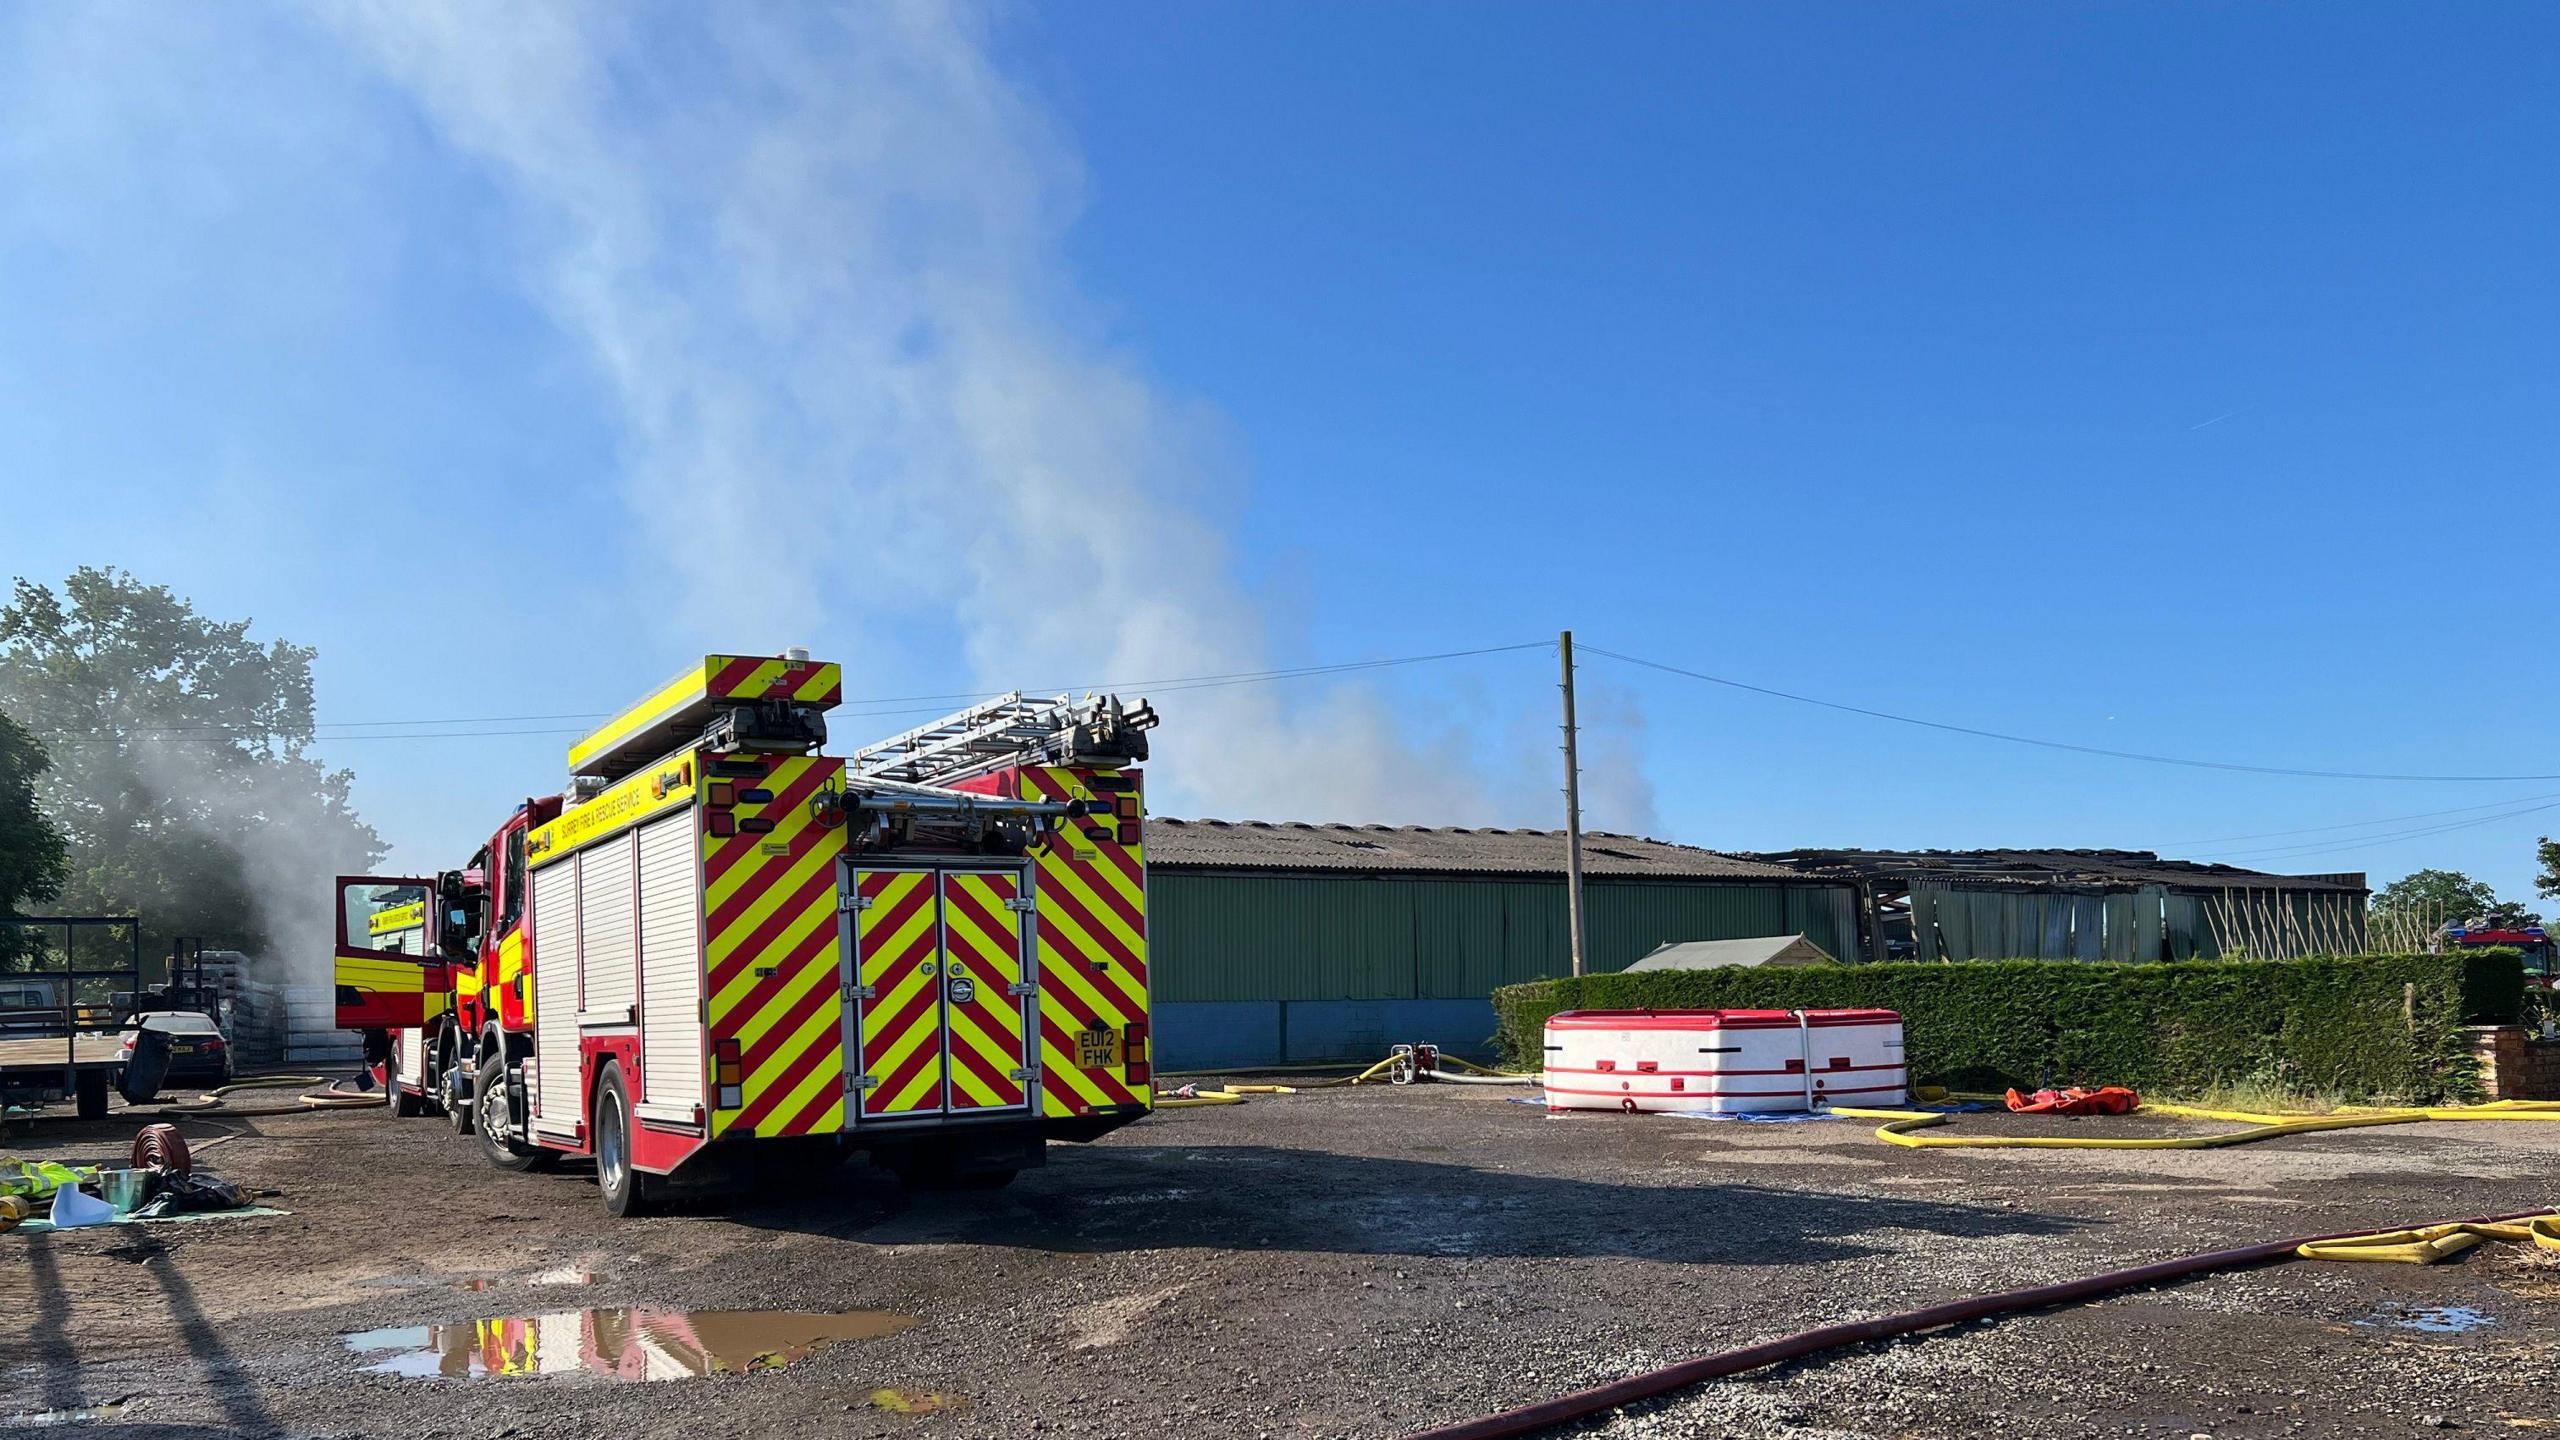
1238, 1034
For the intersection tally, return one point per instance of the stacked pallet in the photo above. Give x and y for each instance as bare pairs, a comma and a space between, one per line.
278, 1024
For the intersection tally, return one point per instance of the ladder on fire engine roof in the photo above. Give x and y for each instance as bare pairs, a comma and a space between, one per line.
1010, 729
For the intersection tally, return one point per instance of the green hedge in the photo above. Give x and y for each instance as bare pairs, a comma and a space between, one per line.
2337, 1024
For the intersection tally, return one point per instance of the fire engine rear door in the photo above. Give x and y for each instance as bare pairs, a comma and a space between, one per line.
940, 993
387, 966
983, 990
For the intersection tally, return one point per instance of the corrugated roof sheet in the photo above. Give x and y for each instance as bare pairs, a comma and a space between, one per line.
2034, 869
1275, 845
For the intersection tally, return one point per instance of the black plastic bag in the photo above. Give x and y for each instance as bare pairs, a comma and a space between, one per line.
178, 1194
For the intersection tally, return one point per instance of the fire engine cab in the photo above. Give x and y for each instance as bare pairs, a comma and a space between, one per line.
719, 944
2530, 942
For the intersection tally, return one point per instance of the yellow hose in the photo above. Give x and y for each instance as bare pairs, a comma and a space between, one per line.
1234, 1094
212, 1102
1900, 1123
1364, 1076
1487, 1069
2427, 1244
1338, 1080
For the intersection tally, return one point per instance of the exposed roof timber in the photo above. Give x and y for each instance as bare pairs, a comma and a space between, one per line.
2057, 869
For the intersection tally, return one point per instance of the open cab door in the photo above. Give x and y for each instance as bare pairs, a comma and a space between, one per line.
390, 975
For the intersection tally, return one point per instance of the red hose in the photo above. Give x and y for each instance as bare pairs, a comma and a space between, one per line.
1528, 1419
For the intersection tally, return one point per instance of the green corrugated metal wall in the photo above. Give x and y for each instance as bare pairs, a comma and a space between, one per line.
1218, 936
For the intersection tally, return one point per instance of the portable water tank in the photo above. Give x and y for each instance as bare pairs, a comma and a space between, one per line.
1723, 1062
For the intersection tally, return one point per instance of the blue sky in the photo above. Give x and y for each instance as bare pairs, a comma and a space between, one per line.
2157, 378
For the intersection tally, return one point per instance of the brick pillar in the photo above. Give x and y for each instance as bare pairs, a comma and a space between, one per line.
2540, 1071
2501, 1051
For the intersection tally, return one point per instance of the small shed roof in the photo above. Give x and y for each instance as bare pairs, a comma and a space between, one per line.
1728, 954
1276, 845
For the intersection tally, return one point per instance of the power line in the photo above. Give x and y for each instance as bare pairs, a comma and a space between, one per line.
851, 709
2297, 852
2362, 824
1980, 734
470, 720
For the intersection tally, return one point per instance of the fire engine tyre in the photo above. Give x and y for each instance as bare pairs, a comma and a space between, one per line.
489, 1097
627, 1190
398, 1104
89, 1090
448, 1061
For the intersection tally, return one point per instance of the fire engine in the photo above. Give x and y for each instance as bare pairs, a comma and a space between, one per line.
720, 945
2529, 941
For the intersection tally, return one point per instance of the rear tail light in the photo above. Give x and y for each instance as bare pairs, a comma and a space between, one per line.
721, 822
1135, 1065
1126, 807
213, 1042
730, 1073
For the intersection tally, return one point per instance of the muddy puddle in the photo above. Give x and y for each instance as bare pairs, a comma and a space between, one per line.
634, 1344
2433, 1319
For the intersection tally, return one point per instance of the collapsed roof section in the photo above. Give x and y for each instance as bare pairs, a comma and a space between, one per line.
1411, 849
2083, 871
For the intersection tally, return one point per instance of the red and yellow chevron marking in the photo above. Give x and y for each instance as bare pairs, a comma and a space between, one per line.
982, 943
1092, 907
763, 677
898, 949
770, 952
618, 745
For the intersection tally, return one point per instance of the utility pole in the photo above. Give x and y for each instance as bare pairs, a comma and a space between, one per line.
1572, 812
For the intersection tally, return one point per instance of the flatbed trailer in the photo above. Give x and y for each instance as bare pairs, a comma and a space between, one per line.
79, 1065
54, 1043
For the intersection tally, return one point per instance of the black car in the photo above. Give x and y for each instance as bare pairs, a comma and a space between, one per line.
198, 1053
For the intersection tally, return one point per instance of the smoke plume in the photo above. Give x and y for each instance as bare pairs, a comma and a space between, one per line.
819, 264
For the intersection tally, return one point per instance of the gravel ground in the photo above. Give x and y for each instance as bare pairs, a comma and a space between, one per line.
1344, 1263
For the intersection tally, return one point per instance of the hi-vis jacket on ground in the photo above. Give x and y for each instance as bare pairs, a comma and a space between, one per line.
721, 944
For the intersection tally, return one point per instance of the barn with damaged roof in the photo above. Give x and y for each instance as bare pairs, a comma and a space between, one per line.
1294, 943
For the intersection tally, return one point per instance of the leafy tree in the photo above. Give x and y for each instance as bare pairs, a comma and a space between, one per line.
2449, 897
2547, 883
180, 775
32, 863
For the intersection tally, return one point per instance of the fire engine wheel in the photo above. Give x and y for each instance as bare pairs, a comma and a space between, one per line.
627, 1191
489, 1097
449, 1062
397, 1104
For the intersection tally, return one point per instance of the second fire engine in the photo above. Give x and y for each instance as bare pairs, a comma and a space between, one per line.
720, 944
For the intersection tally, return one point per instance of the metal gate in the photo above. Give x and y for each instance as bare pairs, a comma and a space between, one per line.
940, 996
